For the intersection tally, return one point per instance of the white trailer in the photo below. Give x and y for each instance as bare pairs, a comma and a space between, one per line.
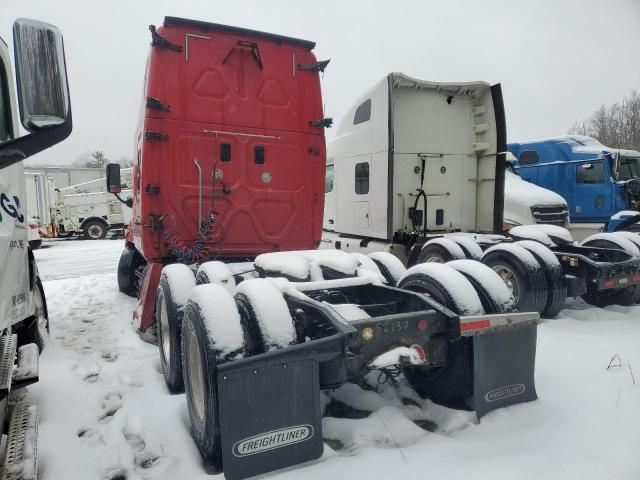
418, 169
45, 113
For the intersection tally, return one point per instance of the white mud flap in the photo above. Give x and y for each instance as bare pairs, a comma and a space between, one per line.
503, 364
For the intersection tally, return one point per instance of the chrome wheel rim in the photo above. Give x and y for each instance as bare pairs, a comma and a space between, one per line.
434, 259
164, 330
509, 279
196, 377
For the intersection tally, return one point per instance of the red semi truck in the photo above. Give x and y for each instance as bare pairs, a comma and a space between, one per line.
251, 321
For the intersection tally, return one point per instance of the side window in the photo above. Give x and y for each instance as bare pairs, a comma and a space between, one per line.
590, 172
328, 179
5, 108
528, 157
362, 178
363, 112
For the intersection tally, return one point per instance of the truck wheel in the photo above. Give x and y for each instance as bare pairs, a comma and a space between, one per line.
632, 237
389, 265
218, 273
440, 250
367, 263
493, 292
211, 334
611, 240
176, 282
265, 316
130, 262
452, 384
95, 230
554, 276
522, 273
445, 285
470, 248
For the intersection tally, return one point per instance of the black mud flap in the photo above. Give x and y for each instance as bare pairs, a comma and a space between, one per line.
504, 363
269, 416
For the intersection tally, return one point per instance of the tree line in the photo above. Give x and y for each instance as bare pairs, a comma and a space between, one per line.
616, 126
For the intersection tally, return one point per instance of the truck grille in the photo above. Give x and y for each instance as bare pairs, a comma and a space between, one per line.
550, 214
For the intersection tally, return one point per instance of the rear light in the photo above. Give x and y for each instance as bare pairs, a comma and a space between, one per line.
609, 283
419, 351
422, 325
33, 226
636, 278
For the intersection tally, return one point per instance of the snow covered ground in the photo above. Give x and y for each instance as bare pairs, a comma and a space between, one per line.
106, 413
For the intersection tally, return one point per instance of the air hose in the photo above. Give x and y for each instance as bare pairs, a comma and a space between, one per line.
423, 195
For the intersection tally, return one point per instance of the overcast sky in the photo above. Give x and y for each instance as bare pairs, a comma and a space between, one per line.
557, 60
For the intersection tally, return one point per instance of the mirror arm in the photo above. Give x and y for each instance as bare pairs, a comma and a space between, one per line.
18, 149
128, 202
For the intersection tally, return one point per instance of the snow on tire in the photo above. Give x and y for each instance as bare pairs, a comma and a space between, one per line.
390, 266
176, 282
440, 250
266, 315
445, 285
218, 273
611, 240
211, 334
521, 272
632, 237
493, 292
470, 248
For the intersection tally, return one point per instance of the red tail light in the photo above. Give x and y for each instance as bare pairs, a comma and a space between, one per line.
422, 325
33, 226
609, 283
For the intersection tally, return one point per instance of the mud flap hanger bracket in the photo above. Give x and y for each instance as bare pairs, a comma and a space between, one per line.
159, 41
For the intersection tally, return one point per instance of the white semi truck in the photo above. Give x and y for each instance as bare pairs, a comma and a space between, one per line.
415, 170
45, 113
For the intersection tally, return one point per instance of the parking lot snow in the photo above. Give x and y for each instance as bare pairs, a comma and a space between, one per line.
106, 412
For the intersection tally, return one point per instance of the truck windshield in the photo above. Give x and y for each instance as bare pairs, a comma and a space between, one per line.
629, 168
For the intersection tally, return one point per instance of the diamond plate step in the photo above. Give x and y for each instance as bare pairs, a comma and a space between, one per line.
21, 454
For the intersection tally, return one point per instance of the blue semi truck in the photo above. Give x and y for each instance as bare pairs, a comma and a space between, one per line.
600, 184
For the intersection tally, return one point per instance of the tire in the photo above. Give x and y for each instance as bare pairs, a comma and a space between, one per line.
440, 250
217, 273
169, 305
470, 248
452, 384
389, 265
611, 240
265, 316
633, 237
35, 244
130, 262
554, 276
95, 230
522, 273
35, 329
204, 332
492, 291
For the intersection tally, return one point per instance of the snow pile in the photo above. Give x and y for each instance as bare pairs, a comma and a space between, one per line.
220, 273
532, 233
622, 242
449, 245
181, 282
307, 263
271, 311
397, 356
554, 231
464, 296
349, 311
221, 317
489, 279
28, 359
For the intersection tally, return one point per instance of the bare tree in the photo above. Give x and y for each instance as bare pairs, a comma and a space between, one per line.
616, 126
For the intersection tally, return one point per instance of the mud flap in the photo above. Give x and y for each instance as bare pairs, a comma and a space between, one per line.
504, 363
269, 417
